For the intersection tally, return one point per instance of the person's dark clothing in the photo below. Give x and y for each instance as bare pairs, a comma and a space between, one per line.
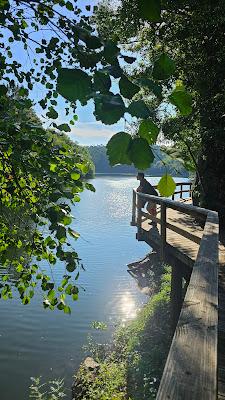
147, 188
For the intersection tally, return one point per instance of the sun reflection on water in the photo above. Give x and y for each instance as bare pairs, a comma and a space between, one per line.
127, 306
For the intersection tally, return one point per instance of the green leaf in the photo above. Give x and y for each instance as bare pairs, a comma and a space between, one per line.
114, 70
61, 233
141, 154
75, 296
166, 186
51, 295
138, 109
93, 42
164, 67
23, 92
53, 167
90, 187
73, 233
67, 310
129, 59
64, 127
151, 85
117, 148
67, 220
52, 113
69, 6
150, 10
3, 90
68, 289
109, 108
102, 81
88, 59
71, 266
148, 130
182, 100
111, 51
83, 167
75, 176
127, 88
74, 84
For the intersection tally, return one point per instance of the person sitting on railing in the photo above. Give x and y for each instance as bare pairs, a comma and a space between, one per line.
147, 188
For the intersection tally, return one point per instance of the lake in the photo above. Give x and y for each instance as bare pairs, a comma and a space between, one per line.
38, 342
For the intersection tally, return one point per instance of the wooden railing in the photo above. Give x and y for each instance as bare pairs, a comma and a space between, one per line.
190, 372
179, 185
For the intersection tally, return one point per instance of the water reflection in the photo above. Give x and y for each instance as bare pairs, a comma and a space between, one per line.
127, 306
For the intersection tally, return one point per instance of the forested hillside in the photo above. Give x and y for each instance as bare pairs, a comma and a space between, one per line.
162, 163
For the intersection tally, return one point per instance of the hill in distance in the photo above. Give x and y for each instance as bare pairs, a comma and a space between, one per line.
102, 166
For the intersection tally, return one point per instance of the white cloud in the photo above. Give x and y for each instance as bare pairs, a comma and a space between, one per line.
92, 130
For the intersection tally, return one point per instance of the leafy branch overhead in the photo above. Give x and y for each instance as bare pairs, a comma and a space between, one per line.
69, 61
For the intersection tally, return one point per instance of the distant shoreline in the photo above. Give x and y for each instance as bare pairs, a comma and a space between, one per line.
131, 174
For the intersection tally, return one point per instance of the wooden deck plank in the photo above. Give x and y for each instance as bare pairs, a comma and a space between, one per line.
182, 221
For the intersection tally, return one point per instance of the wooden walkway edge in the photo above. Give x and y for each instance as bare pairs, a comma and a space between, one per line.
195, 367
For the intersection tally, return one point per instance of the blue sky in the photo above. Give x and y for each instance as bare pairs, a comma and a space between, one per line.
86, 130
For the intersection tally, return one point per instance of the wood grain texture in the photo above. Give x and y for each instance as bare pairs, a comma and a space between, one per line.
191, 369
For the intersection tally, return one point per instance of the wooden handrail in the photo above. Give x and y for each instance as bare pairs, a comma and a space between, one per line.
191, 367
190, 372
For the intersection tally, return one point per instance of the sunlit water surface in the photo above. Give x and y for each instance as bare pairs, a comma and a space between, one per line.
34, 341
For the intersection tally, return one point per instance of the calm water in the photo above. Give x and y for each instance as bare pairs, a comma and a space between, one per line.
34, 341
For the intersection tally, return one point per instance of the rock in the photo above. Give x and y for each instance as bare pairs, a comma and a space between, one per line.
90, 364
90, 367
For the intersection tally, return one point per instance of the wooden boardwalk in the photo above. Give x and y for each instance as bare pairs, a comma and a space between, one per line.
185, 223
221, 325
187, 238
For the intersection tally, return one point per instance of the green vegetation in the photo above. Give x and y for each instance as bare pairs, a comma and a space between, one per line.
191, 34
41, 175
158, 66
61, 139
41, 391
133, 366
163, 162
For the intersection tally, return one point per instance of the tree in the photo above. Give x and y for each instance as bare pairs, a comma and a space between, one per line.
192, 34
37, 174
72, 61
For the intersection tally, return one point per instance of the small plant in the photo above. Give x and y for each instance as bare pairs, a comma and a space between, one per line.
99, 325
53, 390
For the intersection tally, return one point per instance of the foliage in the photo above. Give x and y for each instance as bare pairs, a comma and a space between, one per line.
192, 34
99, 325
72, 41
41, 391
166, 186
40, 178
109, 383
133, 367
162, 163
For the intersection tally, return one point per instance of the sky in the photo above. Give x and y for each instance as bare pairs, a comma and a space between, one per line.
86, 131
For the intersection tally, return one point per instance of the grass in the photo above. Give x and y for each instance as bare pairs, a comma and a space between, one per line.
133, 367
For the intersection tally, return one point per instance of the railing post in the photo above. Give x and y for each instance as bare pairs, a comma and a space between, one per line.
176, 294
181, 189
134, 207
139, 217
163, 232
